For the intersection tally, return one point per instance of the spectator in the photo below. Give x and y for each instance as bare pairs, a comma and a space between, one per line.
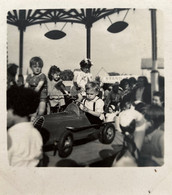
158, 98
142, 91
24, 141
152, 152
114, 97
132, 83
124, 84
11, 74
140, 150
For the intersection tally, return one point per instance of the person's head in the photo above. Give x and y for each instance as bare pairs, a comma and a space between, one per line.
86, 65
36, 65
54, 73
126, 102
154, 116
21, 102
111, 108
125, 84
92, 90
115, 87
132, 82
157, 98
142, 81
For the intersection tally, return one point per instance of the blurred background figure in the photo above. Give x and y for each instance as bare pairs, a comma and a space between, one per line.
142, 91
24, 142
11, 75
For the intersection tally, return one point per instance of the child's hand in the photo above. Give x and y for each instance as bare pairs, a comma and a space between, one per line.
85, 109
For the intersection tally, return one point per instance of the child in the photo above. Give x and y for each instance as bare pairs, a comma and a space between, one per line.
110, 116
158, 99
56, 90
92, 105
81, 78
24, 141
38, 81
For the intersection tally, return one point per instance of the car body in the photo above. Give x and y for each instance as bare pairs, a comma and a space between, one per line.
63, 128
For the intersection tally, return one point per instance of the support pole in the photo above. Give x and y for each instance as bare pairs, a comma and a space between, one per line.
20, 76
154, 72
88, 42
88, 32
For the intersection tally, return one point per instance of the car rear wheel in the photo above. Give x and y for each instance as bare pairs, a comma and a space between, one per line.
65, 145
107, 134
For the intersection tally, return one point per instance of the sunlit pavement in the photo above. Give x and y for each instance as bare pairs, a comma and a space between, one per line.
88, 154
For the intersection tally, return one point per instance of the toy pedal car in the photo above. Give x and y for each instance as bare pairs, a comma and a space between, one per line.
62, 129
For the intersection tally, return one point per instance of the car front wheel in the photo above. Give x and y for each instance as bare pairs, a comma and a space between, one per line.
107, 134
65, 145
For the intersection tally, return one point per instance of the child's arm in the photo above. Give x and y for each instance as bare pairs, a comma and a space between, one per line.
94, 113
40, 84
98, 108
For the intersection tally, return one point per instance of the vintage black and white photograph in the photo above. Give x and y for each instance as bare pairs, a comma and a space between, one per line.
86, 100
85, 87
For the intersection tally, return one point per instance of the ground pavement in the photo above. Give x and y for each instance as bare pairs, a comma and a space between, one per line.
87, 154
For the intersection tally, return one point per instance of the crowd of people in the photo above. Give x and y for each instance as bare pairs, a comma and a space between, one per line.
127, 104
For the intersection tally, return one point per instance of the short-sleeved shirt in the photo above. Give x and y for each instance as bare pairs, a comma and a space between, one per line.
24, 145
33, 81
81, 78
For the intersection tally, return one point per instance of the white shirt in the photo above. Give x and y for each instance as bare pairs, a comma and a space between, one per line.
82, 78
24, 145
99, 105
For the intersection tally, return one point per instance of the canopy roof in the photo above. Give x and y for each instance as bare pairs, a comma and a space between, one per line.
25, 18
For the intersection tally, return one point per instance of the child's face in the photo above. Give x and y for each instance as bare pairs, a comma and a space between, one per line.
110, 110
56, 76
127, 105
86, 69
156, 100
91, 94
36, 69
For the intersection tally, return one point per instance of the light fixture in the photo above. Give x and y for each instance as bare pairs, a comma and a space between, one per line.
118, 26
55, 34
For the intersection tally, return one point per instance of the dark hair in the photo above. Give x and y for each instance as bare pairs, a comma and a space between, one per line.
86, 62
140, 107
53, 69
145, 80
132, 81
23, 101
123, 83
126, 99
155, 114
35, 60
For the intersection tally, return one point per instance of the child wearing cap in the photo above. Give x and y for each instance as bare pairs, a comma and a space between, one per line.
38, 82
81, 77
112, 113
